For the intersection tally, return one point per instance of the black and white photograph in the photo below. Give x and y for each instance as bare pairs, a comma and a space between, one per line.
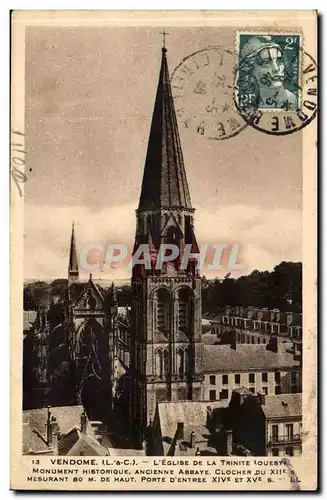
166, 244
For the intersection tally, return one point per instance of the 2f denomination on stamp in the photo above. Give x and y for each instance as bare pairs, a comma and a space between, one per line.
202, 86
275, 82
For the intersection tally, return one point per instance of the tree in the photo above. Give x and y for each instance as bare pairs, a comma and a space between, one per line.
277, 289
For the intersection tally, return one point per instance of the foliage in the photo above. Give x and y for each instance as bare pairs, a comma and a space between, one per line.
280, 289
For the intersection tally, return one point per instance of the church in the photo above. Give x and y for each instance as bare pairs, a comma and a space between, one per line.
119, 370
80, 346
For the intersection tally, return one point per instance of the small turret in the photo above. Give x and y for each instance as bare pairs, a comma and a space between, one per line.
73, 274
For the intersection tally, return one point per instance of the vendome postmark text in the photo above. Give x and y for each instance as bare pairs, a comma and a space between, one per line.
202, 86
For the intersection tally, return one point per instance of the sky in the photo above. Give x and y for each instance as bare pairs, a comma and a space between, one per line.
89, 96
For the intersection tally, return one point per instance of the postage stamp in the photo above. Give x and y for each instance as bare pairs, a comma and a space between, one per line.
275, 82
269, 71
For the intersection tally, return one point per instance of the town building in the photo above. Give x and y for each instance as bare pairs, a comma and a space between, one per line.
71, 350
266, 425
61, 431
255, 326
191, 428
267, 368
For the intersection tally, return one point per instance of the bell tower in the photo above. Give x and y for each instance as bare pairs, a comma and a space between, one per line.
166, 309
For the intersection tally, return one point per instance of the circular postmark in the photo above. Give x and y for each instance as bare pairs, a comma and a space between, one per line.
203, 91
276, 84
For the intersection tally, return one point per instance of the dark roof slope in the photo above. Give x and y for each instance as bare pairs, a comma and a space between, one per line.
164, 179
246, 357
283, 405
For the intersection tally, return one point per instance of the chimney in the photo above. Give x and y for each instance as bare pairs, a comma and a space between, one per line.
53, 435
229, 442
272, 344
192, 440
261, 398
180, 430
47, 425
83, 423
233, 342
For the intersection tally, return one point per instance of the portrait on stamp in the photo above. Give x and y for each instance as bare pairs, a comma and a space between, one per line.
269, 71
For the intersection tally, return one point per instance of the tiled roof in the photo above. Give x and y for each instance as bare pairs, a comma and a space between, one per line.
75, 442
76, 290
71, 441
283, 405
209, 338
89, 446
192, 413
262, 314
189, 412
32, 440
246, 357
66, 416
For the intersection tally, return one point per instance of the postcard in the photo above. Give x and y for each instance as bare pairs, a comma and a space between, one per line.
164, 250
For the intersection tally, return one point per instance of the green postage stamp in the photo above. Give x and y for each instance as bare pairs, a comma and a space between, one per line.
269, 71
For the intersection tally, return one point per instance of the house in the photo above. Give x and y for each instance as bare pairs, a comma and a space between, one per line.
255, 325
268, 368
190, 428
266, 425
63, 430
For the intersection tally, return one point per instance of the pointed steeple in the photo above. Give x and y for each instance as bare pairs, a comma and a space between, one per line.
73, 274
164, 179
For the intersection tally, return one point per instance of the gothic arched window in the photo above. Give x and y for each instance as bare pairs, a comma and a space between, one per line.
159, 363
180, 361
188, 360
184, 321
162, 306
166, 362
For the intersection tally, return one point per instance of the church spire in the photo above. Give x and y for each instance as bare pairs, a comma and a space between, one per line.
164, 180
73, 273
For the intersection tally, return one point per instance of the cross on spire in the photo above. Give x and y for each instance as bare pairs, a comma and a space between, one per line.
164, 33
